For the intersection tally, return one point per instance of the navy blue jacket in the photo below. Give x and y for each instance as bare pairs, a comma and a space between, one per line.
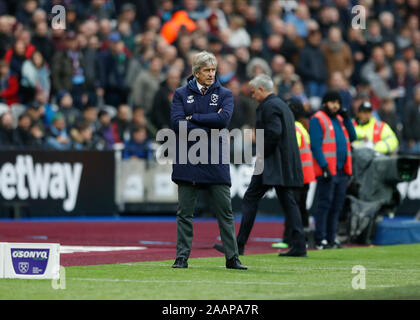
188, 101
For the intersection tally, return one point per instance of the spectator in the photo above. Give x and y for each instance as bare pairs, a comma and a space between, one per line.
66, 108
401, 85
299, 19
91, 63
9, 84
161, 110
104, 129
373, 36
35, 112
298, 93
312, 66
121, 123
113, 68
388, 26
416, 43
411, 124
42, 41
16, 56
47, 108
139, 146
244, 111
127, 35
339, 83
357, 43
99, 10
37, 137
128, 14
9, 138
83, 137
67, 70
376, 71
388, 114
90, 116
57, 137
277, 65
414, 71
256, 46
238, 37
257, 66
6, 33
139, 119
35, 78
22, 130
146, 85
389, 51
337, 53
288, 77
24, 13
403, 38
328, 17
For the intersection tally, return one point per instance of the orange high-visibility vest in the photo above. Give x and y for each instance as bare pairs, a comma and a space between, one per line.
377, 131
170, 29
329, 146
306, 159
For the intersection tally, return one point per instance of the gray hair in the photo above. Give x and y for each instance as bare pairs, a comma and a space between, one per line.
257, 62
264, 81
203, 59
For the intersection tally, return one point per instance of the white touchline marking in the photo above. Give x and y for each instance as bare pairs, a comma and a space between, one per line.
72, 249
182, 281
223, 282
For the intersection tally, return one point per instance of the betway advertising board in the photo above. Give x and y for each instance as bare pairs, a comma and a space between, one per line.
51, 183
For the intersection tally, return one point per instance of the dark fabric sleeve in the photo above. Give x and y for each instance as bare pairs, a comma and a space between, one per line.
217, 120
178, 114
272, 130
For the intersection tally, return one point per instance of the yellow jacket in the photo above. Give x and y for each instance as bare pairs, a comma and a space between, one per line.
377, 133
305, 134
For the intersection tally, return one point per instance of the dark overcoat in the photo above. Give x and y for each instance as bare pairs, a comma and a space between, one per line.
282, 164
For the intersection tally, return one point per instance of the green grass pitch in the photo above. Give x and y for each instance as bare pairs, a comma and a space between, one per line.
391, 272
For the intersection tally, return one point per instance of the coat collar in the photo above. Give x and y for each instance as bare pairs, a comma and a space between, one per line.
192, 84
269, 97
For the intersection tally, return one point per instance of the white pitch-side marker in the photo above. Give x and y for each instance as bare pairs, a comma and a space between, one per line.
73, 249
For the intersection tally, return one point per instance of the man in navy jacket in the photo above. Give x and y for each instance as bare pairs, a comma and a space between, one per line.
197, 108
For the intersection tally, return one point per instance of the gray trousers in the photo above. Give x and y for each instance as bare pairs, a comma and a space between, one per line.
222, 208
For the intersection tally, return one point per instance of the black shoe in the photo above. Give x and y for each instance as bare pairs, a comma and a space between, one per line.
234, 263
323, 245
294, 253
219, 247
180, 263
335, 245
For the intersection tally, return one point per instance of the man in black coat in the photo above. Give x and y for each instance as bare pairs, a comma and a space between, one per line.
282, 168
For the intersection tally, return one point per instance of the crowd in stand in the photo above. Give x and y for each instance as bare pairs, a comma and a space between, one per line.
108, 77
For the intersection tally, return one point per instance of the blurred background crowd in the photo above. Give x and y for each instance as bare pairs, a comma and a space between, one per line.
109, 76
